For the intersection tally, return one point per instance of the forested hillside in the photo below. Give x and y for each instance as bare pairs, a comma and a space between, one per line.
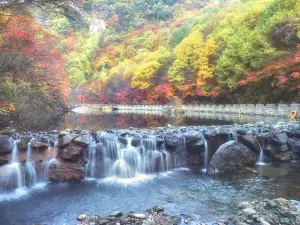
150, 51
154, 51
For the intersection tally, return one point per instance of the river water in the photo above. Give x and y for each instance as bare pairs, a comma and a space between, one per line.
97, 122
180, 191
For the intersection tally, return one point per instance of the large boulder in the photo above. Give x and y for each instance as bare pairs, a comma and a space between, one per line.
72, 152
66, 171
251, 142
6, 144
215, 142
172, 141
231, 156
279, 138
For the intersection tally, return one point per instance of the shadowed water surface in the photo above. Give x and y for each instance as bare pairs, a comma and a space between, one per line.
179, 191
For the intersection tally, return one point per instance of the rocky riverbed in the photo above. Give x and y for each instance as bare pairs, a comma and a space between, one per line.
268, 212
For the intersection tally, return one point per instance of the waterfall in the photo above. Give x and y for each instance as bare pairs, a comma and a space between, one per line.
30, 169
205, 155
126, 161
12, 177
91, 165
51, 158
261, 155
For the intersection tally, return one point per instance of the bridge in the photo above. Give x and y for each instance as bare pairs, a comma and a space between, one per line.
240, 109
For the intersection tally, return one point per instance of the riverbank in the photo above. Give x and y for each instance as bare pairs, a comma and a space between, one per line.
277, 211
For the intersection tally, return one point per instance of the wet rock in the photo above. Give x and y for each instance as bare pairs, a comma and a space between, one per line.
4, 159
279, 138
136, 141
175, 220
82, 140
6, 144
72, 152
215, 142
171, 141
251, 142
231, 156
158, 209
207, 134
249, 211
40, 143
283, 156
65, 140
23, 143
66, 171
297, 133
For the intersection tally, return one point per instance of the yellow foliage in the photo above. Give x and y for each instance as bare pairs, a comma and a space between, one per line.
142, 77
187, 54
206, 62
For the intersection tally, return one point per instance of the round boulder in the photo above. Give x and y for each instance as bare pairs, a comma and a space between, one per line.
6, 144
230, 157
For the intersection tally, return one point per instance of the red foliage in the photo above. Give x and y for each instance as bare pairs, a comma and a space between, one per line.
24, 36
283, 72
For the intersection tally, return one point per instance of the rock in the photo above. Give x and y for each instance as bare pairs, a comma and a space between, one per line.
251, 142
6, 144
175, 220
65, 171
65, 140
249, 211
283, 156
82, 140
104, 222
39, 143
72, 152
297, 133
116, 214
81, 217
231, 156
169, 125
23, 143
279, 138
215, 142
158, 209
4, 159
63, 133
136, 141
171, 141
243, 205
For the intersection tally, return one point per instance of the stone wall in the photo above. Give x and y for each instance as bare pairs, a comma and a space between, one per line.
240, 109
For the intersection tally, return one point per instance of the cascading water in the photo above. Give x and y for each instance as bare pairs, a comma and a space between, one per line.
12, 173
205, 156
261, 156
30, 171
51, 158
90, 166
124, 160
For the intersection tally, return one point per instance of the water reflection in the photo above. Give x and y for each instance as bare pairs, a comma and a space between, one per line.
141, 119
124, 121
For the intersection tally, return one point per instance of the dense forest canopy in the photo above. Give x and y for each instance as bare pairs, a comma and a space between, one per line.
148, 51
